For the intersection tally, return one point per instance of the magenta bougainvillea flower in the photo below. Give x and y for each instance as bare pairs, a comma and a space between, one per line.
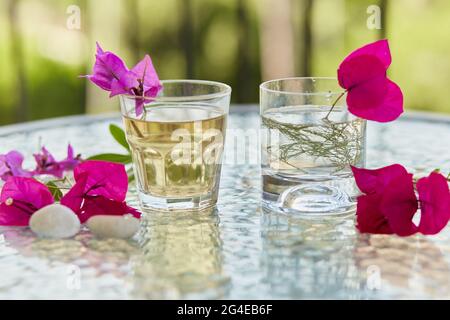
399, 204
100, 188
389, 202
434, 198
111, 74
370, 93
20, 198
104, 178
47, 164
375, 208
11, 165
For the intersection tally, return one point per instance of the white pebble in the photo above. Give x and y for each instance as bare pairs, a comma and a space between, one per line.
55, 221
105, 226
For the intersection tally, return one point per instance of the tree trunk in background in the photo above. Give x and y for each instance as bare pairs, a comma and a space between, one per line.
243, 72
277, 39
384, 11
18, 62
306, 55
105, 26
132, 28
186, 34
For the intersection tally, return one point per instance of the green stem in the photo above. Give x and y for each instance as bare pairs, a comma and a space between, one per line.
56, 188
334, 103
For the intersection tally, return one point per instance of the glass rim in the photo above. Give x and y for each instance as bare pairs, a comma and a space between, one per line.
264, 86
224, 91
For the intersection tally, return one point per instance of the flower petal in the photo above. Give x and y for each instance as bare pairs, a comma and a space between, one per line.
102, 206
139, 105
379, 49
399, 204
125, 84
434, 197
361, 70
369, 217
146, 71
27, 190
12, 216
71, 161
74, 198
46, 164
363, 101
11, 165
371, 181
107, 67
105, 178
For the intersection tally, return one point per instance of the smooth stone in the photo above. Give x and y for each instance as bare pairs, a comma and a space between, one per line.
55, 221
106, 226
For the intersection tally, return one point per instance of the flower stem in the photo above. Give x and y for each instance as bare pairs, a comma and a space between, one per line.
56, 188
334, 103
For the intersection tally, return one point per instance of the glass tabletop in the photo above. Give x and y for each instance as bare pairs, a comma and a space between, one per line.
239, 251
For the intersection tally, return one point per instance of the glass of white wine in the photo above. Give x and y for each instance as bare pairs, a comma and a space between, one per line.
177, 144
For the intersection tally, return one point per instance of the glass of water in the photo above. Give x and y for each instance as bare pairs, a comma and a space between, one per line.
309, 142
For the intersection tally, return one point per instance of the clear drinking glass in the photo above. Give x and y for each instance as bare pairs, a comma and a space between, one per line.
308, 147
177, 144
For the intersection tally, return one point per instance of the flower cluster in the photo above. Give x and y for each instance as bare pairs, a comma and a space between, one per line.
111, 74
389, 202
100, 189
11, 164
371, 94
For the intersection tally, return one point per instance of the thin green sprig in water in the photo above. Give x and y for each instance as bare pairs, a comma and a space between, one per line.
338, 142
334, 103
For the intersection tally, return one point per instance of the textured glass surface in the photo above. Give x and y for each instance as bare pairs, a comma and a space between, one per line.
238, 251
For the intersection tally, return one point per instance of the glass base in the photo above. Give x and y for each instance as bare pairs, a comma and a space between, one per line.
149, 203
311, 201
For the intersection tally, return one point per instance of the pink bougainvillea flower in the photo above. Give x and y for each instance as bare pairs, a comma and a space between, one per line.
389, 202
20, 198
142, 81
71, 161
434, 199
108, 69
100, 188
370, 94
47, 164
104, 178
11, 166
111, 74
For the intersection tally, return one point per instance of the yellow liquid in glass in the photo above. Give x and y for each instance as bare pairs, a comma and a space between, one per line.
177, 149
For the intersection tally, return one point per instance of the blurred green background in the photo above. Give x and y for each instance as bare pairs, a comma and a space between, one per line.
46, 44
